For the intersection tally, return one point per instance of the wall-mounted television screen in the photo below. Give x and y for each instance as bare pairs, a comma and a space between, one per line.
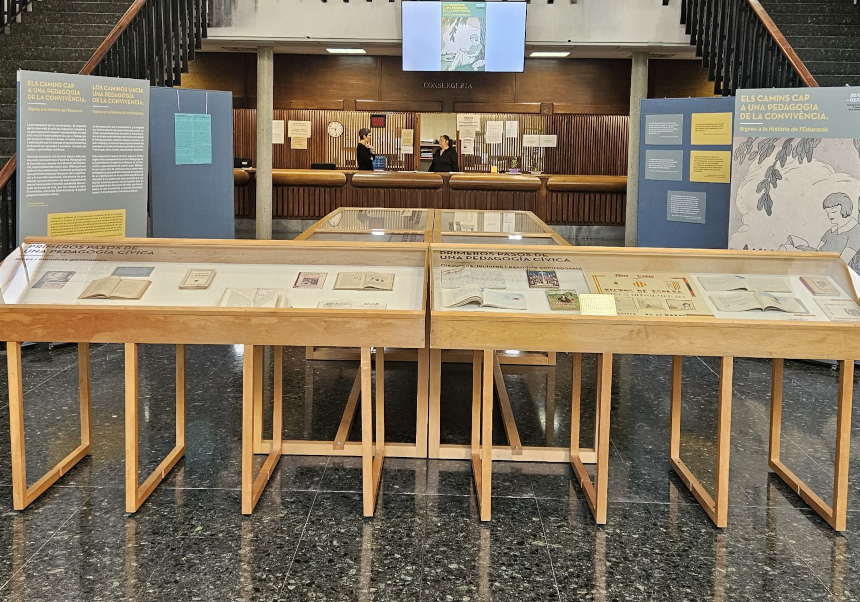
463, 36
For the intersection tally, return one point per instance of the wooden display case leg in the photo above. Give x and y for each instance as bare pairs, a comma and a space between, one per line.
349, 413
371, 464
422, 409
258, 402
482, 428
717, 507
23, 496
136, 494
835, 515
252, 488
596, 494
507, 412
433, 403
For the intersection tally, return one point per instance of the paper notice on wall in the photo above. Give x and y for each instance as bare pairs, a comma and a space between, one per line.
531, 140
98, 224
512, 129
299, 129
407, 139
468, 123
193, 138
711, 128
494, 132
298, 142
548, 141
711, 166
509, 222
278, 131
467, 146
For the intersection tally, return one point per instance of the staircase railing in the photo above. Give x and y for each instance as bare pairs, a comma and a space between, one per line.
10, 10
741, 47
154, 40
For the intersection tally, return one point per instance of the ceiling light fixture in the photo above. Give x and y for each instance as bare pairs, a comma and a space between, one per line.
541, 54
345, 50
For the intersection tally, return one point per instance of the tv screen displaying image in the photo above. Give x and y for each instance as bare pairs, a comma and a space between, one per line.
463, 36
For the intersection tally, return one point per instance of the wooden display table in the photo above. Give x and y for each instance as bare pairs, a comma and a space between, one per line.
33, 310
689, 323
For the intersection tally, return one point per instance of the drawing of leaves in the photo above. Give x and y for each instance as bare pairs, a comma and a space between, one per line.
765, 149
772, 175
743, 149
857, 145
784, 153
766, 203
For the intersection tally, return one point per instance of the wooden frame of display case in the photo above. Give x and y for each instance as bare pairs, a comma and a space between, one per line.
676, 337
541, 230
133, 325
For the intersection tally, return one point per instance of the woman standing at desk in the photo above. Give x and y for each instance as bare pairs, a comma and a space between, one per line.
445, 157
364, 150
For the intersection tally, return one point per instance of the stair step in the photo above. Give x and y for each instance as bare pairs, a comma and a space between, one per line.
73, 18
45, 29
781, 7
7, 111
50, 41
836, 42
11, 66
838, 80
8, 95
47, 54
818, 30
817, 19
827, 54
833, 68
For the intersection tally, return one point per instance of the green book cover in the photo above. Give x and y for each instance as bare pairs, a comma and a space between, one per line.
464, 36
563, 300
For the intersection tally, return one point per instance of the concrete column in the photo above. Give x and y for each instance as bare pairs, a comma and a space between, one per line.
265, 113
638, 91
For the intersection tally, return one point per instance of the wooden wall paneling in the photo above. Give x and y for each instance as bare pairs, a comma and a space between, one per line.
245, 133
588, 144
491, 200
678, 79
311, 76
600, 86
596, 209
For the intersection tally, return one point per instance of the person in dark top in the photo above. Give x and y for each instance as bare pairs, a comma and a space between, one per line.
364, 150
445, 157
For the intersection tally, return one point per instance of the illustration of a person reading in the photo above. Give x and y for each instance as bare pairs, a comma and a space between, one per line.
470, 56
843, 237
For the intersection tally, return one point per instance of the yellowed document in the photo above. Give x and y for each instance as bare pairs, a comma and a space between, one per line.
100, 224
711, 128
711, 166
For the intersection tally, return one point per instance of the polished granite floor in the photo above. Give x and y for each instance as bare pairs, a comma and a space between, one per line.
307, 539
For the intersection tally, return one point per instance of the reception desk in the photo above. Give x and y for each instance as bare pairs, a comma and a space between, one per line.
555, 199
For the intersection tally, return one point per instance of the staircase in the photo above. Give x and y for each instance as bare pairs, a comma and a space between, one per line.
825, 34
58, 36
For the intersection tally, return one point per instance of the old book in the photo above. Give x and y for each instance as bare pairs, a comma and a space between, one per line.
820, 285
54, 279
746, 301
839, 309
458, 276
114, 287
542, 278
732, 282
597, 305
347, 304
485, 297
197, 279
357, 281
563, 300
133, 271
310, 280
254, 297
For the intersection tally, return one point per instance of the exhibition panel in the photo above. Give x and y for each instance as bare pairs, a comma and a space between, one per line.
250, 293
661, 302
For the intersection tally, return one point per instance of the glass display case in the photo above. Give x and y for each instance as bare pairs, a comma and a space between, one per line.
646, 301
372, 225
250, 293
493, 227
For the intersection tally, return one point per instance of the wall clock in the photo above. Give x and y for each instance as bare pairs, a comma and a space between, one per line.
335, 129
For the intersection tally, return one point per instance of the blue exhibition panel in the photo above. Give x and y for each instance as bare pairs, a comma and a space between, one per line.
191, 163
654, 228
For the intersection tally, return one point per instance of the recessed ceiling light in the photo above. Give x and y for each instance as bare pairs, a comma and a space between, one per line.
547, 55
346, 50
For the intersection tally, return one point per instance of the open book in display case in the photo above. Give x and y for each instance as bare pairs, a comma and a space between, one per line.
42, 280
672, 302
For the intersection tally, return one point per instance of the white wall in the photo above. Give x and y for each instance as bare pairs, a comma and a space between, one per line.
637, 23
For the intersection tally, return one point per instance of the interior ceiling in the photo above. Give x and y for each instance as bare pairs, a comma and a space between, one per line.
391, 49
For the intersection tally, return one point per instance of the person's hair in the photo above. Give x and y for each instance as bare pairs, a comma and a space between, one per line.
448, 138
363, 132
841, 199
